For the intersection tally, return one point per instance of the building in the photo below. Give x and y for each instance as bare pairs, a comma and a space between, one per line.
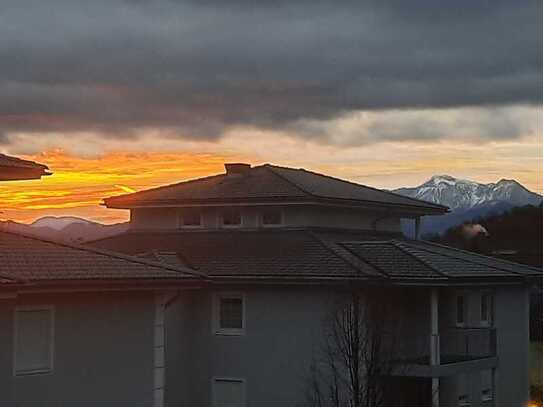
278, 245
15, 169
80, 326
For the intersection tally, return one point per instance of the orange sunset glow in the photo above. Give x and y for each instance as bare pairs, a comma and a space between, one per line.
78, 185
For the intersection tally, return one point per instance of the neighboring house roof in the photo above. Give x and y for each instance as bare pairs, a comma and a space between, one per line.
12, 168
269, 184
26, 259
316, 253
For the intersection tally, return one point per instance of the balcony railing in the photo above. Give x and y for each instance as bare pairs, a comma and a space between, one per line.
454, 344
460, 344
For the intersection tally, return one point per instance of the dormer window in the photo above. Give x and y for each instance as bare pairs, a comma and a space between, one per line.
231, 217
191, 218
272, 217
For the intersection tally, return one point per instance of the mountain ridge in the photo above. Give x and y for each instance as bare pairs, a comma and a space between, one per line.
467, 200
70, 229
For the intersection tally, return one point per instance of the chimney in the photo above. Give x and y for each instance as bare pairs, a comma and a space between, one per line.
237, 168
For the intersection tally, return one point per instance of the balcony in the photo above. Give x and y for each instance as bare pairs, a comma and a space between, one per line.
463, 344
458, 348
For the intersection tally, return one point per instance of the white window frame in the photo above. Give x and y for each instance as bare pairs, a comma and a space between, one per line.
23, 308
274, 225
464, 311
216, 325
214, 379
489, 309
181, 221
221, 218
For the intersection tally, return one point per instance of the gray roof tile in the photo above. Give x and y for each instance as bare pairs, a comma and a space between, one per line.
269, 183
306, 253
30, 259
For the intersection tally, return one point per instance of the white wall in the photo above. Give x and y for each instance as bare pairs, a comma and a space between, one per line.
294, 216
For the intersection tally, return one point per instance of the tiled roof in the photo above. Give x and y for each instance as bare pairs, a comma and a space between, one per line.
307, 253
12, 168
238, 253
29, 259
269, 183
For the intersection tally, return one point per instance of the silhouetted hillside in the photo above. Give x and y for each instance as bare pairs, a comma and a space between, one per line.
516, 235
67, 229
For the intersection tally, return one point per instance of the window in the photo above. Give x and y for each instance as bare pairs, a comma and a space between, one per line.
487, 306
229, 314
487, 388
460, 310
191, 218
33, 340
272, 217
463, 391
231, 217
228, 392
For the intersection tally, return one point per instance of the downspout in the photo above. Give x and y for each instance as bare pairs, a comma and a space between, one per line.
435, 357
417, 228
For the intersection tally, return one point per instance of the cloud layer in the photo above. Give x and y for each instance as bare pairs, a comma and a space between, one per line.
196, 69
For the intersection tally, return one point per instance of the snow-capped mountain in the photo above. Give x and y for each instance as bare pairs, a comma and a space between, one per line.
464, 194
468, 200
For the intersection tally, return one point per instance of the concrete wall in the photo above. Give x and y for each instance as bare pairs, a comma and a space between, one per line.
293, 216
103, 352
283, 333
6, 352
512, 324
511, 316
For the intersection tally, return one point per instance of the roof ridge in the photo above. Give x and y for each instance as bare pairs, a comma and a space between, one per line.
376, 267
473, 254
108, 253
271, 167
330, 249
360, 185
398, 243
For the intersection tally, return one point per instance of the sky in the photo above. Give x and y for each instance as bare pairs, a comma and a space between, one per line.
122, 95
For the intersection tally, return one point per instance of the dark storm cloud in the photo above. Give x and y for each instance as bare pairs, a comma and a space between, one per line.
198, 67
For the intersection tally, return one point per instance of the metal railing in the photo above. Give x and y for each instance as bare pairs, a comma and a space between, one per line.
467, 343
454, 344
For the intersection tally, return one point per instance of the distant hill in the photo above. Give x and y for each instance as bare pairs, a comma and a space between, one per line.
468, 200
516, 235
65, 228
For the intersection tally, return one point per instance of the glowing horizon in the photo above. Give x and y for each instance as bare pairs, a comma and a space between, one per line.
79, 184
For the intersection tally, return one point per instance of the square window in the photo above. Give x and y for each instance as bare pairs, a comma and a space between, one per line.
191, 218
460, 310
228, 392
231, 217
272, 217
229, 314
33, 340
